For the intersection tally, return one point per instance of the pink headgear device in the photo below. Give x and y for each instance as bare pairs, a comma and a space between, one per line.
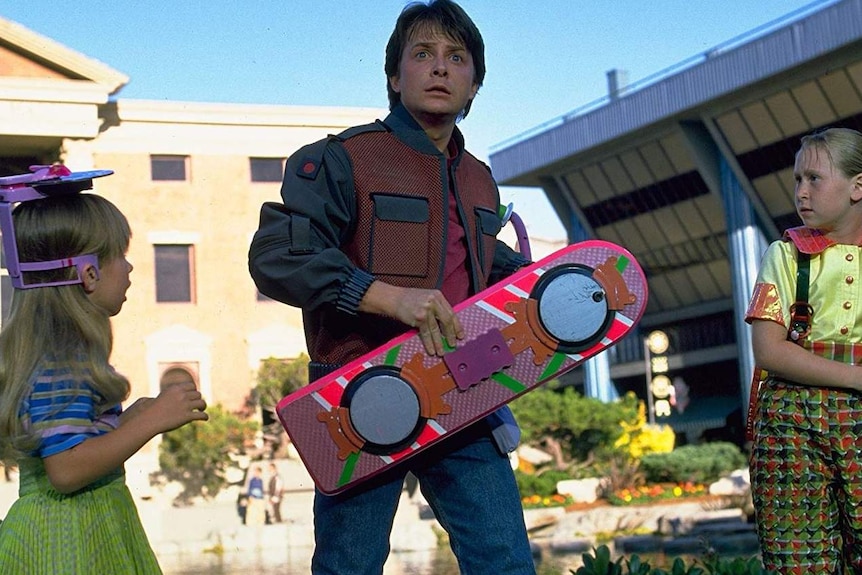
42, 182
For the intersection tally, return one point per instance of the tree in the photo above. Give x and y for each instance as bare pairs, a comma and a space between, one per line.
198, 454
574, 429
277, 378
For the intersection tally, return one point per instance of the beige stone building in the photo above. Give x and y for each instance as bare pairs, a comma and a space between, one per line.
191, 178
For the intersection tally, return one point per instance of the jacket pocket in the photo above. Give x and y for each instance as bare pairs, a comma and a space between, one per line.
399, 236
488, 225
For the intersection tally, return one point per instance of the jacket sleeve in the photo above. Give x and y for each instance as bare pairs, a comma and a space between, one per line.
295, 255
506, 262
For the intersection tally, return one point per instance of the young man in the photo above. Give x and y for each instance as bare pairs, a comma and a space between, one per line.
275, 492
383, 228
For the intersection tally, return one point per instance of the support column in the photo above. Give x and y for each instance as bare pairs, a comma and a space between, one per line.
748, 223
746, 245
597, 369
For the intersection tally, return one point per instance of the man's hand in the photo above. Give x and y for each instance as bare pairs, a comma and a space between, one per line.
424, 309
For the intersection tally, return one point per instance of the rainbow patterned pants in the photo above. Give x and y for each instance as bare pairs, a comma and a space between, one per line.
806, 476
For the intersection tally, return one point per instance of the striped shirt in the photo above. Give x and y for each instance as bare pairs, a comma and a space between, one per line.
63, 410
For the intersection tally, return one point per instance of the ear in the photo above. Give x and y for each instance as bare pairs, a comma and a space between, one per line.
89, 277
395, 84
856, 192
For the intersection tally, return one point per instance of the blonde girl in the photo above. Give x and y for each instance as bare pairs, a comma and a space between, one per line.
61, 419
806, 460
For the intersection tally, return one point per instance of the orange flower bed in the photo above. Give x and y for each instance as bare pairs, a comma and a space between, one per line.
539, 501
656, 492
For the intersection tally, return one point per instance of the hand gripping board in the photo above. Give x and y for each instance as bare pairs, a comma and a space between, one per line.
395, 401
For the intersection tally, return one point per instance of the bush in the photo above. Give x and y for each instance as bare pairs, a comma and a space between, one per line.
198, 454
704, 463
543, 484
640, 438
600, 563
571, 427
277, 378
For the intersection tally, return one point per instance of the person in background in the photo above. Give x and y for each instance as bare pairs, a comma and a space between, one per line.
382, 229
255, 513
275, 492
805, 457
61, 418
242, 506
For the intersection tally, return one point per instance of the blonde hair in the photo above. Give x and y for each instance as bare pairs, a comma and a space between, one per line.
59, 322
843, 146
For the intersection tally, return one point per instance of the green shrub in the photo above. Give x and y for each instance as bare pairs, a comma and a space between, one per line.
276, 378
571, 427
704, 463
543, 484
599, 563
198, 454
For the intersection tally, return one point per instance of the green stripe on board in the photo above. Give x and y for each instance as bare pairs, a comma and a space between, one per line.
622, 263
509, 382
347, 472
553, 365
392, 355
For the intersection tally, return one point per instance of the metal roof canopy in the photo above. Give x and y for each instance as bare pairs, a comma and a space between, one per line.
641, 169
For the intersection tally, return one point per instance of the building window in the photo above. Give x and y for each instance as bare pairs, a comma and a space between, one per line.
175, 375
266, 169
168, 168
174, 273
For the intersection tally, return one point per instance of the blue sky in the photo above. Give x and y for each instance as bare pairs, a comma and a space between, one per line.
544, 58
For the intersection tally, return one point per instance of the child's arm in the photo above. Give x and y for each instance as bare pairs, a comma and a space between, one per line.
791, 361
94, 458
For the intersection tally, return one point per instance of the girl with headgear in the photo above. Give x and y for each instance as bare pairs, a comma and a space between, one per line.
61, 419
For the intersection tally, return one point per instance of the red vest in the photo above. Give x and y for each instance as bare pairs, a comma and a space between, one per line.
401, 221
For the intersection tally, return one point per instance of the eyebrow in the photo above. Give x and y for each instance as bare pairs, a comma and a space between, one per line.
450, 45
807, 172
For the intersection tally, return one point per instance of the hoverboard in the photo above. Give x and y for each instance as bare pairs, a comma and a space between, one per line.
396, 400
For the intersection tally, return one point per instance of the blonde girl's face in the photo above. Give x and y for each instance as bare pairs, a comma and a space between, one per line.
824, 195
109, 290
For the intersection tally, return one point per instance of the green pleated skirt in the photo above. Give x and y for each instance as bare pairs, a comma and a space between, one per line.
95, 530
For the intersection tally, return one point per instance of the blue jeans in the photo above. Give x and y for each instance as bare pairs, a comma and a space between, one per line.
469, 485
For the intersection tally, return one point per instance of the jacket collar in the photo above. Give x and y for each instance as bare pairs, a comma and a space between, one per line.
408, 130
808, 240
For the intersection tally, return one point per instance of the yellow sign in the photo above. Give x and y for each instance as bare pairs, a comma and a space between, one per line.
659, 364
658, 342
661, 386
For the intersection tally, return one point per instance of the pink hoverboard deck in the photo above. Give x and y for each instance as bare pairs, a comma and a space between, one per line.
396, 401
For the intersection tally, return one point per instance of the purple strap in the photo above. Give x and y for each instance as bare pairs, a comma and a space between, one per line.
42, 182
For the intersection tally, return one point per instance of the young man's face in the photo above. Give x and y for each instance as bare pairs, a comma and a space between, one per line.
436, 76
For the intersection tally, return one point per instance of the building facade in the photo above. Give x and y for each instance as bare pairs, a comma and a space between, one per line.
191, 178
691, 169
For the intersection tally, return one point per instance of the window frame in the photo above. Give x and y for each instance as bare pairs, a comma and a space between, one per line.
269, 170
166, 159
188, 240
